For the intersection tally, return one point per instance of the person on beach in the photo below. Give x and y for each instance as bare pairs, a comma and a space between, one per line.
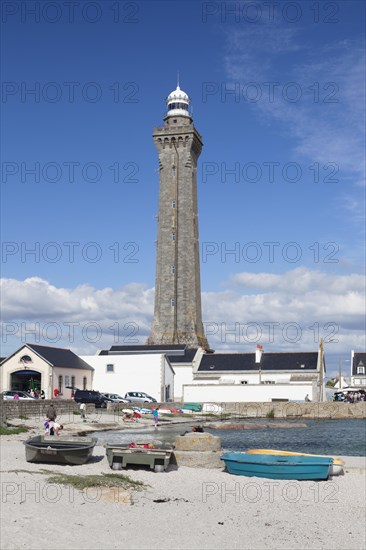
82, 410
52, 427
156, 417
51, 412
57, 428
307, 398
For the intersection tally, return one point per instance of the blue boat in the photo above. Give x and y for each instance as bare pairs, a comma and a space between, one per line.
277, 467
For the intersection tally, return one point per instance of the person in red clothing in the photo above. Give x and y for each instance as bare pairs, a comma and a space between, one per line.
56, 392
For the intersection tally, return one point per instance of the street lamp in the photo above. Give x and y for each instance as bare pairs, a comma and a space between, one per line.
340, 371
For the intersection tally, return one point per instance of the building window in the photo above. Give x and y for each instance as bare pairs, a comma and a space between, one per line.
361, 370
172, 269
172, 301
84, 383
357, 381
110, 368
60, 383
25, 359
73, 382
174, 204
67, 381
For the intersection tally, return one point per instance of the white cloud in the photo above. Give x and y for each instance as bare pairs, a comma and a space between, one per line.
285, 312
301, 280
328, 121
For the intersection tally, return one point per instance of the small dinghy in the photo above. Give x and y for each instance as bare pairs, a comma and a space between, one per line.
336, 468
57, 450
157, 457
277, 467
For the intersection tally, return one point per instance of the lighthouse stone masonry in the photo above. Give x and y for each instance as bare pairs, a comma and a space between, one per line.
177, 313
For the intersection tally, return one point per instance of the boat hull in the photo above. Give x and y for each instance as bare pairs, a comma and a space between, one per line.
122, 456
54, 450
336, 468
277, 467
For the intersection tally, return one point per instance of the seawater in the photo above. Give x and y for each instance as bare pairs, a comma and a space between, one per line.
335, 437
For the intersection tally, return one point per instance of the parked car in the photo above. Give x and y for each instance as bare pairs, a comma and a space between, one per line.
132, 396
90, 396
7, 395
115, 398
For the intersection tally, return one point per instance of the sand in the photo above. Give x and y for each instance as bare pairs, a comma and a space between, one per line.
185, 508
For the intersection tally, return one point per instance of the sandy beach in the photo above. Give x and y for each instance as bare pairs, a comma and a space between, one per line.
182, 508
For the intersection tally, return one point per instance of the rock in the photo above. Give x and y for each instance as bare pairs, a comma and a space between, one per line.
197, 442
199, 459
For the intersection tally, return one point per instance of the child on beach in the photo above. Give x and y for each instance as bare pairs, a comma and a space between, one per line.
156, 417
52, 427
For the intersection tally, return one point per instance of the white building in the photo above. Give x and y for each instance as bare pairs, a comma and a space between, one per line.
130, 370
358, 369
45, 368
225, 377
259, 376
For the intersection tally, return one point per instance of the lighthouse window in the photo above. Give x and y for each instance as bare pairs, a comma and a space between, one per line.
178, 106
172, 269
174, 204
173, 236
172, 301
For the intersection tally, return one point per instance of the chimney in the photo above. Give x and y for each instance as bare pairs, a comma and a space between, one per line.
258, 353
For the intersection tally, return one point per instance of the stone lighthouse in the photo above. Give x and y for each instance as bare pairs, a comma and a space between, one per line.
177, 313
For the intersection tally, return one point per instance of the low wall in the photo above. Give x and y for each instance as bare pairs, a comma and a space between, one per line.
248, 393
328, 409
37, 409
66, 408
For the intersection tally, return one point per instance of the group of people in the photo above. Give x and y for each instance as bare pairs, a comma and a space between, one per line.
37, 394
51, 426
350, 396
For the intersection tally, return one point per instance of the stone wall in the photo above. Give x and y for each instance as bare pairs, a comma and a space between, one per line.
37, 408
328, 409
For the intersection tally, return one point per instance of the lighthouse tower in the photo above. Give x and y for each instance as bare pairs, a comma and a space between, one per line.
177, 313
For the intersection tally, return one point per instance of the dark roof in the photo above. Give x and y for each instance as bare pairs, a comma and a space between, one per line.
269, 362
60, 357
168, 349
188, 356
177, 353
359, 360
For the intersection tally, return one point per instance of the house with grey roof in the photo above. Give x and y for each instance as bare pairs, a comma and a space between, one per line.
206, 376
358, 369
259, 376
45, 368
180, 357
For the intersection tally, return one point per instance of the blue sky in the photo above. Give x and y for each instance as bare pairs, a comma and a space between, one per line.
278, 95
